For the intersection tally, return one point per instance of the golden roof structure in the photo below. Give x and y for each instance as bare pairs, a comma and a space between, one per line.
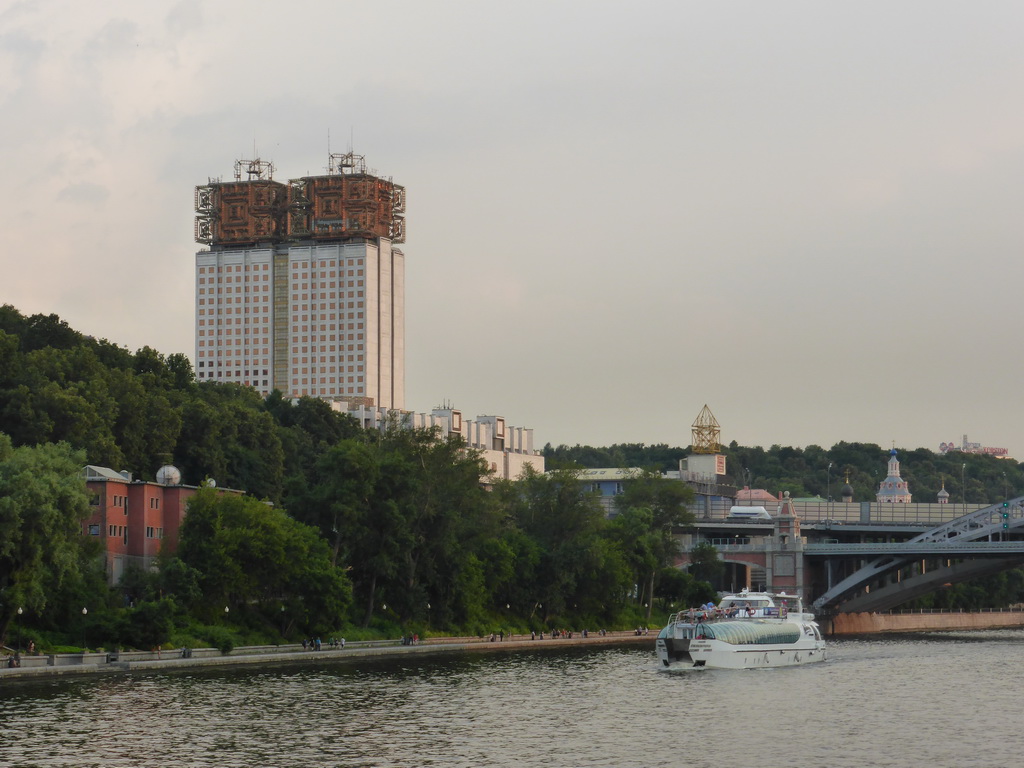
706, 433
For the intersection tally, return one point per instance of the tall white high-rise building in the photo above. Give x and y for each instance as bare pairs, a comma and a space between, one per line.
301, 288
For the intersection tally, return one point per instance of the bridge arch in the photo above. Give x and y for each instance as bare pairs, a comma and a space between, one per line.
948, 543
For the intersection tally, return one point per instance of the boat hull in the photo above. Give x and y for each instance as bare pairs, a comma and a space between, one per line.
741, 644
715, 654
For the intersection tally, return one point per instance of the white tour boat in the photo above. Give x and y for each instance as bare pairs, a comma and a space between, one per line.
747, 630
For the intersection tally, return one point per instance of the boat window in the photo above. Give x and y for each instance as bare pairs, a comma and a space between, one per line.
750, 633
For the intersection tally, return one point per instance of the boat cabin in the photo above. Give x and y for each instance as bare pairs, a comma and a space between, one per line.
749, 604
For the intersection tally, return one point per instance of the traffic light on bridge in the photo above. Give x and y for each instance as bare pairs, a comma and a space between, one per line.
1006, 515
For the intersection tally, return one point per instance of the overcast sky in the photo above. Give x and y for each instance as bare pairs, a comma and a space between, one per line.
807, 215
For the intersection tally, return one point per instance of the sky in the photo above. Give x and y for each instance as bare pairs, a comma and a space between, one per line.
805, 215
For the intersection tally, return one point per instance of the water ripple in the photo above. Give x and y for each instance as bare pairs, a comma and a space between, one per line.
932, 700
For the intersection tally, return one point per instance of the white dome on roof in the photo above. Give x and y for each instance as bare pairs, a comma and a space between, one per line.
168, 475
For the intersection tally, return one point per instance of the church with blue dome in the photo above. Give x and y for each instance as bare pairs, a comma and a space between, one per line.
894, 489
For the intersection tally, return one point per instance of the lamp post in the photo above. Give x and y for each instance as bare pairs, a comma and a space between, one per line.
828, 488
963, 486
19, 612
85, 612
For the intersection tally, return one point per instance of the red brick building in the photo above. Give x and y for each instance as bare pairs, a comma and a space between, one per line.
135, 520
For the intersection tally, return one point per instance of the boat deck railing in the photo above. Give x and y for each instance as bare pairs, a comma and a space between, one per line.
708, 615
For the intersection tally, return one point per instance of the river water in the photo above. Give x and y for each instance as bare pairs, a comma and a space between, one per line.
935, 700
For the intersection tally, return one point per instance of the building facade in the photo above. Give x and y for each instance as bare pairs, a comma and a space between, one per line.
135, 520
894, 489
302, 288
507, 450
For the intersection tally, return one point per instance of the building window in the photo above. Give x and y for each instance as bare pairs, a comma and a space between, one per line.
94, 529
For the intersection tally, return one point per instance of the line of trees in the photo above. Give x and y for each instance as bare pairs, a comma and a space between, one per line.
342, 529
804, 472
391, 529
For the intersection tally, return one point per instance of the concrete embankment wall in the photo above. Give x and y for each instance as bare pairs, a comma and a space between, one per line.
868, 623
136, 661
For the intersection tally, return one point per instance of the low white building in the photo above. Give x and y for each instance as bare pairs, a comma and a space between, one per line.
506, 449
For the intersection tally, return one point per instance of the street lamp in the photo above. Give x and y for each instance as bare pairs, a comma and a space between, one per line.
85, 612
828, 488
963, 486
20, 611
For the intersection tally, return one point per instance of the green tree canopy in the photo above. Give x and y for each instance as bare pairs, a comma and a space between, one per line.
43, 502
258, 561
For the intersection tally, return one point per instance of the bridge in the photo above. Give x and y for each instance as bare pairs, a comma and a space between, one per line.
974, 545
864, 566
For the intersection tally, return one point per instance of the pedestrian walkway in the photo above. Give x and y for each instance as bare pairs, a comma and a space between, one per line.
55, 665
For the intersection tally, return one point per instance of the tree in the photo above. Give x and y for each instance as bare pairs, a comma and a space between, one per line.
262, 563
705, 564
228, 435
339, 499
151, 622
412, 516
576, 569
43, 502
679, 588
650, 507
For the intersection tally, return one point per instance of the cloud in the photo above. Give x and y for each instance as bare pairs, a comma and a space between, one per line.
84, 193
184, 17
609, 208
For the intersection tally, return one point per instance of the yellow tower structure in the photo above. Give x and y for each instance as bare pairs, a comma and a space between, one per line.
706, 433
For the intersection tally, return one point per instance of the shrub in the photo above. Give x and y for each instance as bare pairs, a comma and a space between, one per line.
221, 639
